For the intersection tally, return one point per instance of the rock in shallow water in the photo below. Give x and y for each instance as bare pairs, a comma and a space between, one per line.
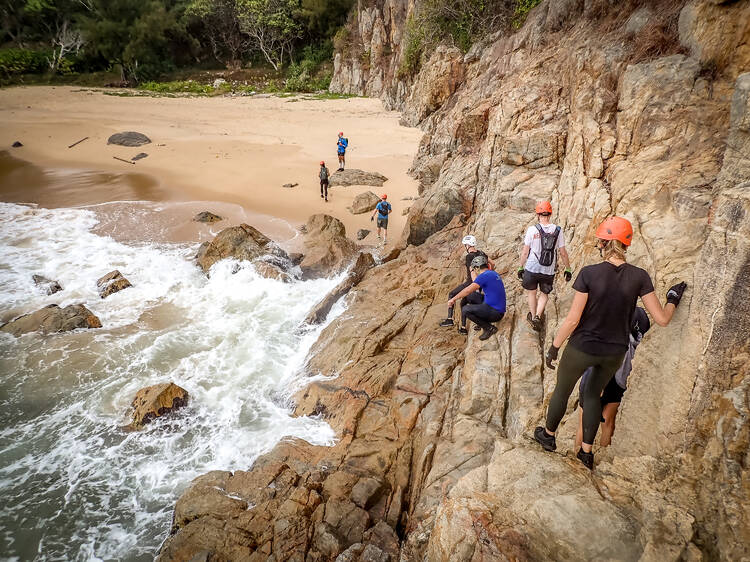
155, 401
207, 216
327, 249
241, 242
111, 283
52, 318
49, 286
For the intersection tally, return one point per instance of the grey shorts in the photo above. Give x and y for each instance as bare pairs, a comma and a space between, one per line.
533, 280
382, 223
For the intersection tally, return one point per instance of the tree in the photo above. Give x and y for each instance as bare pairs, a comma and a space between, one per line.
66, 40
222, 26
271, 26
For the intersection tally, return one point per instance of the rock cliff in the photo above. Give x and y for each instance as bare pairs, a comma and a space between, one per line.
591, 106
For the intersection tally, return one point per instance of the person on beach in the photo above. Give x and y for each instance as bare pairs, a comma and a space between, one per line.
383, 209
598, 324
613, 392
542, 243
492, 308
323, 180
341, 145
470, 245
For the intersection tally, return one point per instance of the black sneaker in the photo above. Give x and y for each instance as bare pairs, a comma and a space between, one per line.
463, 330
487, 334
546, 440
586, 458
477, 327
536, 323
530, 321
447, 323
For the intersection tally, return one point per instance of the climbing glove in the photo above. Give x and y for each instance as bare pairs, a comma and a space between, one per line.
675, 293
552, 355
568, 274
520, 273
372, 218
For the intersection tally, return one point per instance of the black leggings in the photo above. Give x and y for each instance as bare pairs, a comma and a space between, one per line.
322, 185
472, 298
572, 365
482, 315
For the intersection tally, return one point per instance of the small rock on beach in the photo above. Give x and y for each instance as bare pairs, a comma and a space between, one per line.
207, 216
129, 138
111, 283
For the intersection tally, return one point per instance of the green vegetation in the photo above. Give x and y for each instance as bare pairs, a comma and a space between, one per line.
21, 61
523, 7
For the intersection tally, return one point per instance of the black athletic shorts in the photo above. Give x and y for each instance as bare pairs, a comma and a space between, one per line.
531, 280
382, 223
612, 393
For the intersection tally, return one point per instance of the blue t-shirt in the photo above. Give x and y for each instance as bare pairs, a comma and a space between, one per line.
383, 207
342, 144
493, 288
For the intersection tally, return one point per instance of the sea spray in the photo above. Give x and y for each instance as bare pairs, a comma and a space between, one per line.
77, 487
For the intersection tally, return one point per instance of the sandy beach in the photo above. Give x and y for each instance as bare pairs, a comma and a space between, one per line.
231, 150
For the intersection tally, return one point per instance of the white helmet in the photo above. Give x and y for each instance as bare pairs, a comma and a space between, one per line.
469, 240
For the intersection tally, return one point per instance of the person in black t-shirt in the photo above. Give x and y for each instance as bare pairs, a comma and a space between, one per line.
470, 244
598, 325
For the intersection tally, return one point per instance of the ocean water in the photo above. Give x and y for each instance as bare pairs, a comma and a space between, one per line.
74, 484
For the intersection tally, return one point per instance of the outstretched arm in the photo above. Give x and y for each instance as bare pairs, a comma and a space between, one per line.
662, 316
572, 319
467, 291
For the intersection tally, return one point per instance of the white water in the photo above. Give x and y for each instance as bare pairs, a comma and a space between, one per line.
74, 485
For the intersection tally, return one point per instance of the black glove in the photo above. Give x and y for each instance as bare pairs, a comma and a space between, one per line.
552, 355
520, 273
675, 293
372, 219
568, 275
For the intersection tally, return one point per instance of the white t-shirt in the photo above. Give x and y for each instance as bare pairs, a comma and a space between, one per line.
534, 240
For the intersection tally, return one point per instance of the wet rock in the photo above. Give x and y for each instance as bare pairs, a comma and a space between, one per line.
271, 271
155, 401
364, 202
327, 249
207, 216
111, 283
139, 156
318, 314
47, 285
51, 319
17, 144
353, 176
296, 258
129, 138
362, 233
290, 185
241, 242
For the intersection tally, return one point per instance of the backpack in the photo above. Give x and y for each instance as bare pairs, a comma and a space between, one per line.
383, 208
323, 174
549, 243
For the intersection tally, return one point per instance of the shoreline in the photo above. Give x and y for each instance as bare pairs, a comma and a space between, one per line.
218, 149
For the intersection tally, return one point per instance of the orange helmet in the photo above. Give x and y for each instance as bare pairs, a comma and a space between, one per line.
322, 163
616, 228
543, 207
384, 197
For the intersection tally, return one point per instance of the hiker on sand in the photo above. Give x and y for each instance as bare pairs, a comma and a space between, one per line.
470, 244
613, 392
492, 308
341, 145
323, 180
538, 256
383, 209
598, 325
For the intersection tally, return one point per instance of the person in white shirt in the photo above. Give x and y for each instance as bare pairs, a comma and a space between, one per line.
542, 243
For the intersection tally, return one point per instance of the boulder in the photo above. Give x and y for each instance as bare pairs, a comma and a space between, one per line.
47, 285
155, 401
207, 216
356, 177
364, 202
129, 138
362, 233
327, 249
241, 242
431, 213
271, 271
296, 258
52, 318
318, 314
111, 283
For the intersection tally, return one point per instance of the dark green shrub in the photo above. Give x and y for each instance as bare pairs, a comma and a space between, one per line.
14, 62
523, 7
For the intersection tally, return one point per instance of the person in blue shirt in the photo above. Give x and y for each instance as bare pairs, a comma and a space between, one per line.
492, 310
341, 149
383, 209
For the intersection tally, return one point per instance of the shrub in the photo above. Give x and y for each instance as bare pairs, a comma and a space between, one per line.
14, 62
523, 7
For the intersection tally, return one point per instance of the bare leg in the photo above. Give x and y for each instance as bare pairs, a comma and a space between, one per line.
579, 432
541, 304
608, 427
531, 296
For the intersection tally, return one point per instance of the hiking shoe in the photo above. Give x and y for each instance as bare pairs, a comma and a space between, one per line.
546, 440
447, 323
463, 330
586, 458
536, 323
530, 321
477, 327
488, 333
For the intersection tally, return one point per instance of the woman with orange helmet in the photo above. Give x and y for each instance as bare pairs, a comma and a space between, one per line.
598, 325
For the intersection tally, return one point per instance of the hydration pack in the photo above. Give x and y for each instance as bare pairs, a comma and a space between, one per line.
549, 243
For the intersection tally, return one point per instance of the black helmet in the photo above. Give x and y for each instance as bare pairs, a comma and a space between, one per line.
641, 323
479, 262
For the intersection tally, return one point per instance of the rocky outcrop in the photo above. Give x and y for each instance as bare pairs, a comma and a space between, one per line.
434, 428
129, 138
112, 282
207, 216
51, 319
327, 250
49, 286
362, 233
156, 401
354, 176
364, 202
241, 242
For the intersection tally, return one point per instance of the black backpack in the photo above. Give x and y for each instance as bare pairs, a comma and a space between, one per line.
549, 242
